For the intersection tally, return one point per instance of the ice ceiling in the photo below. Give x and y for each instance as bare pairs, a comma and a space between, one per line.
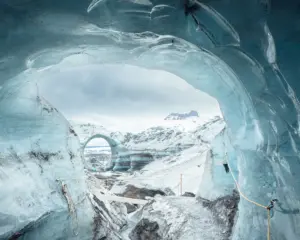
244, 53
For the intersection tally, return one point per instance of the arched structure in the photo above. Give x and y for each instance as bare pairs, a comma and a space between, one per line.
122, 159
244, 53
115, 147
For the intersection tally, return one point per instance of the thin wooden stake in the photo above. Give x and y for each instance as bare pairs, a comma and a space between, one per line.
181, 184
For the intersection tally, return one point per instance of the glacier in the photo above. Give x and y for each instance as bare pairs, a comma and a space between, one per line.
243, 53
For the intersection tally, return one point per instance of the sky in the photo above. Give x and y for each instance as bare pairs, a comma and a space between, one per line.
122, 97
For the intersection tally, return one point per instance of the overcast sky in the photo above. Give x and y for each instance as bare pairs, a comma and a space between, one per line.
108, 94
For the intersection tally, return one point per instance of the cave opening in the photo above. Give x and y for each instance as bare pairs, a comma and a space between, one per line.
255, 85
124, 98
98, 154
200, 79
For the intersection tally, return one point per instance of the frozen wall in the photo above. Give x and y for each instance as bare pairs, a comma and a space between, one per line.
39, 153
215, 181
244, 53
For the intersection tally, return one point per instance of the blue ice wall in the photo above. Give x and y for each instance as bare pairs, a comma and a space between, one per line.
243, 53
223, 182
216, 182
39, 153
132, 161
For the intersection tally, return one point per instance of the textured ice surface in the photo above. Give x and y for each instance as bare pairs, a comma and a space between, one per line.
244, 53
38, 148
215, 181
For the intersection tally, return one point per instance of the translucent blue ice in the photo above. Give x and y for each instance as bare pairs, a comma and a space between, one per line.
243, 53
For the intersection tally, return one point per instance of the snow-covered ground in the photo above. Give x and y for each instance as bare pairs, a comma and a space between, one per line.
167, 172
178, 217
97, 188
188, 142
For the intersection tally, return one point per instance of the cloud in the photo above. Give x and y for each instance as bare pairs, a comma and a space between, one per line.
122, 90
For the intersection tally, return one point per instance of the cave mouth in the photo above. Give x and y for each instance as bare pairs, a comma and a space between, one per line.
97, 154
197, 67
235, 64
123, 98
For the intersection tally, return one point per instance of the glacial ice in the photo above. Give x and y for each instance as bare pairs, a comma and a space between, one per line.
39, 153
245, 54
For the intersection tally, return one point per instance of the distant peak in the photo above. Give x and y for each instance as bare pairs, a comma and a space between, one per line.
182, 116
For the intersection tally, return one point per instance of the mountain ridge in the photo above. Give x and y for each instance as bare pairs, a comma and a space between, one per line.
182, 116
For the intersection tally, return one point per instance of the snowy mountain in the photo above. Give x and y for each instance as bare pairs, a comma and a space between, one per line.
182, 116
167, 142
172, 138
161, 138
186, 154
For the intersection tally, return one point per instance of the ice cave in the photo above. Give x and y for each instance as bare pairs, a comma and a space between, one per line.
243, 53
98, 154
114, 147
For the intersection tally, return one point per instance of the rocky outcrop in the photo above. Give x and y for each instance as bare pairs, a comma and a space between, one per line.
188, 194
140, 193
131, 207
110, 218
145, 230
182, 116
178, 218
223, 209
169, 191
